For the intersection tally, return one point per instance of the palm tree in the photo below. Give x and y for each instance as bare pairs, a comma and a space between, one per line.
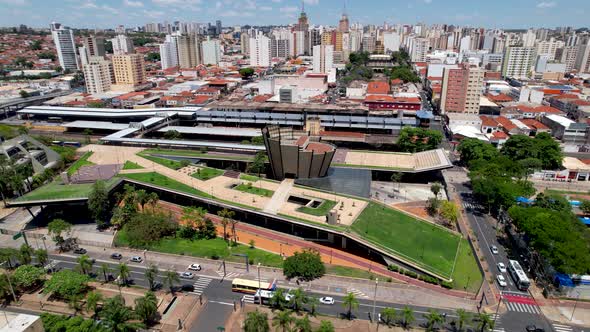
41, 255
170, 278
124, 272
225, 215
325, 326
141, 196
350, 302
313, 305
74, 302
92, 300
146, 308
116, 316
256, 322
484, 322
433, 317
105, 270
303, 324
150, 275
462, 317
234, 222
25, 254
407, 316
84, 264
298, 299
277, 301
152, 199
282, 320
436, 187
388, 315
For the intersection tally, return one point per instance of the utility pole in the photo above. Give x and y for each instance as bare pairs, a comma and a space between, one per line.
259, 295
497, 309
375, 299
575, 304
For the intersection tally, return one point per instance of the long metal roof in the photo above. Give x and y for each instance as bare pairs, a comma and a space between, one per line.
96, 125
181, 143
221, 131
106, 112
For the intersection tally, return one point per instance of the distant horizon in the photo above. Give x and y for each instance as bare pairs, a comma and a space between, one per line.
107, 14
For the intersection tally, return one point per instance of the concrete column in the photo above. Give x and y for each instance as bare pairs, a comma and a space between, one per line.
343, 242
330, 237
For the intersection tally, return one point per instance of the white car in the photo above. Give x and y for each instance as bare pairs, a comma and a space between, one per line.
502, 267
327, 300
194, 267
501, 280
136, 259
288, 297
186, 275
494, 250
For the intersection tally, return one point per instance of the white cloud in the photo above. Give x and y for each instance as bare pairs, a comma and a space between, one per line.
289, 9
265, 8
176, 2
546, 4
14, 2
131, 3
277, 1
312, 2
427, 1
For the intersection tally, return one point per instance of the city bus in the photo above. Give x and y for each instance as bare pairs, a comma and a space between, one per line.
251, 286
518, 275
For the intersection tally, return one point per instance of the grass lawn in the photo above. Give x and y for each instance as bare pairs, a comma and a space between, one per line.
345, 271
566, 192
321, 210
193, 153
209, 248
254, 190
206, 173
58, 190
83, 161
427, 245
248, 177
173, 164
466, 275
131, 165
164, 181
8, 131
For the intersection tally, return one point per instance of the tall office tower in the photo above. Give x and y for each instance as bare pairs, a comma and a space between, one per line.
518, 62
169, 52
279, 48
245, 43
461, 89
189, 50
420, 48
63, 38
129, 71
98, 75
152, 27
122, 45
356, 40
344, 23
315, 38
332, 38
260, 49
391, 42
549, 47
211, 51
323, 58
465, 44
583, 57
218, 27
488, 42
529, 38
301, 29
569, 55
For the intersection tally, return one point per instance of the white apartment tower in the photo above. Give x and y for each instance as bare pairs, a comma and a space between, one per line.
98, 75
420, 48
323, 58
65, 46
169, 53
583, 57
260, 49
211, 51
569, 57
122, 45
391, 42
549, 47
518, 62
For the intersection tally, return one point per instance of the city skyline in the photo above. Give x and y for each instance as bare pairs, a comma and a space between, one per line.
110, 13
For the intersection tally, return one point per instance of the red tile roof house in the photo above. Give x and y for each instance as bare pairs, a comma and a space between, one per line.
489, 125
507, 126
537, 112
535, 127
378, 88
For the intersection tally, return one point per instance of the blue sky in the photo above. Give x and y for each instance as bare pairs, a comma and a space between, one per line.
109, 13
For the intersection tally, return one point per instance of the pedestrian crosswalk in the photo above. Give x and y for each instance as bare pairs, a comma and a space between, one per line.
200, 285
562, 328
356, 292
248, 299
523, 307
497, 323
470, 206
228, 275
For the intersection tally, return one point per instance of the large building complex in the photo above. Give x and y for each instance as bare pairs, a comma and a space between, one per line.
518, 62
66, 46
260, 50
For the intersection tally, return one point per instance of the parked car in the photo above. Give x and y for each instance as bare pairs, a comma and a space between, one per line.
502, 267
187, 288
501, 280
288, 297
533, 328
326, 300
494, 250
116, 255
80, 251
194, 267
136, 259
52, 267
186, 275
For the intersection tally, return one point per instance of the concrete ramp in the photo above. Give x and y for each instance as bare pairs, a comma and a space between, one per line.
280, 196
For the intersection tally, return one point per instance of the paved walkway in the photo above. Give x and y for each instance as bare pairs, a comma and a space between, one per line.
279, 197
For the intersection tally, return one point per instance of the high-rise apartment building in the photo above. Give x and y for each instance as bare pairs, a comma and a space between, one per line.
169, 52
583, 57
260, 50
301, 38
122, 45
391, 42
63, 38
529, 38
315, 38
279, 48
518, 62
211, 49
218, 27
569, 57
189, 50
419, 49
461, 89
98, 75
94, 45
129, 72
245, 43
549, 47
323, 58
344, 23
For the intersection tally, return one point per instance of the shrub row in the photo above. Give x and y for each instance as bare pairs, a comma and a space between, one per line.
425, 278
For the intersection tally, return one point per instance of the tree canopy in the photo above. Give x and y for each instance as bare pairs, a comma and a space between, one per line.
413, 139
26, 276
148, 227
305, 265
66, 283
98, 202
542, 147
246, 73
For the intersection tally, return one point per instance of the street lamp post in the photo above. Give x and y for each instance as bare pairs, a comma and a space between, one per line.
375, 298
575, 304
497, 309
44, 245
259, 295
